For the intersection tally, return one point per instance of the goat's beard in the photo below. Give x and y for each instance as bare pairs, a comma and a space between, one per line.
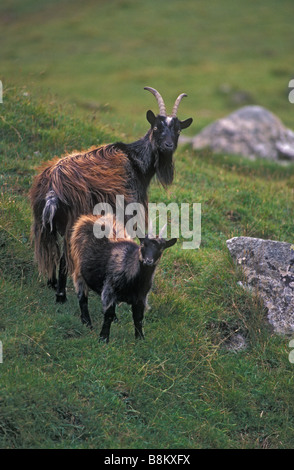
164, 167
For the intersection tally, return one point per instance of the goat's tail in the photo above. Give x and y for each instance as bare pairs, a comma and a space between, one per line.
44, 234
50, 208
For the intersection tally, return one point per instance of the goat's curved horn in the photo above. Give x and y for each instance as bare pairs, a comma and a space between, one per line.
176, 105
162, 110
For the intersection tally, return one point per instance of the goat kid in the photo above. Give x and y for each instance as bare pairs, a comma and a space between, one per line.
119, 270
71, 186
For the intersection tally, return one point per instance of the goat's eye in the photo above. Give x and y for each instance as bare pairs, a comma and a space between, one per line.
179, 131
155, 128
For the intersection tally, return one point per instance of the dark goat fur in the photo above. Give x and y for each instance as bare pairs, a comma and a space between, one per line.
71, 186
117, 269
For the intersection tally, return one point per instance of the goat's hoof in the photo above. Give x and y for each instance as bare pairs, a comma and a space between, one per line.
61, 298
115, 320
139, 336
52, 284
104, 339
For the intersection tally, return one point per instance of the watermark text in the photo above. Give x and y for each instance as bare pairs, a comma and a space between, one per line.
291, 94
168, 220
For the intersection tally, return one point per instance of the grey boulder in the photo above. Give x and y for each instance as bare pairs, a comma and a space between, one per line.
251, 131
268, 267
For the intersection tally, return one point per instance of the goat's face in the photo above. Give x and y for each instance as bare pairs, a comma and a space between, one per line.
164, 135
165, 131
151, 249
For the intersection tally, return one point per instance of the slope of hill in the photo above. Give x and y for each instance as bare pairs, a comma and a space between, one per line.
181, 387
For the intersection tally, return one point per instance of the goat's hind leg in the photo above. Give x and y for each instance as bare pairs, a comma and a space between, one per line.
62, 277
61, 284
52, 280
85, 317
82, 293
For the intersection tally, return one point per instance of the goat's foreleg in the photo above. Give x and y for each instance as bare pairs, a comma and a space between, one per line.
138, 316
109, 316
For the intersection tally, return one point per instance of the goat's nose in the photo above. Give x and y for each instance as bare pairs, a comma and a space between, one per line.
148, 261
169, 145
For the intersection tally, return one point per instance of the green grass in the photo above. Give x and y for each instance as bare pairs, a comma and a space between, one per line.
100, 55
181, 387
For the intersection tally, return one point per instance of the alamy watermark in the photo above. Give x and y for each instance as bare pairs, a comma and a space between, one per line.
291, 94
170, 220
291, 354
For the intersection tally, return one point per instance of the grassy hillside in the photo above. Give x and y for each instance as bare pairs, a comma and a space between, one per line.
182, 387
100, 55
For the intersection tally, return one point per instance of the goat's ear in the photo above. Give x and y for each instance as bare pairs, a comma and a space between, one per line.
186, 123
170, 242
150, 117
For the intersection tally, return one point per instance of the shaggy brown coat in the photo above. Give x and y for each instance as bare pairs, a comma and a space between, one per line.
79, 180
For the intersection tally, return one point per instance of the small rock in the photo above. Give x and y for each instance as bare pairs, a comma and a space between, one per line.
236, 343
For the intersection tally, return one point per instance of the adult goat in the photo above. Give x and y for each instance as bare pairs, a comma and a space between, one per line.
70, 186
